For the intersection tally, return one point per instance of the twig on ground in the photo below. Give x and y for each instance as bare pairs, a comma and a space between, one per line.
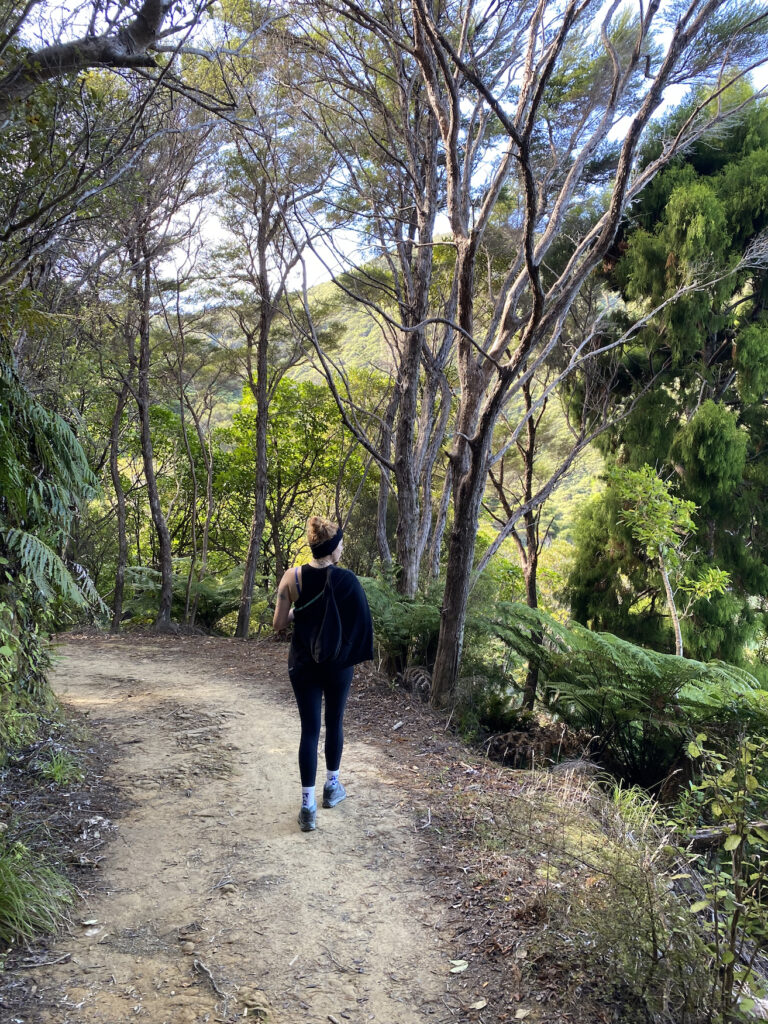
201, 968
343, 967
43, 963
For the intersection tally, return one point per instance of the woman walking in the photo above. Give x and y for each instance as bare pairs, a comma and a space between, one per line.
304, 587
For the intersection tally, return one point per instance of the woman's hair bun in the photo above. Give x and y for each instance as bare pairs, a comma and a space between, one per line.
320, 529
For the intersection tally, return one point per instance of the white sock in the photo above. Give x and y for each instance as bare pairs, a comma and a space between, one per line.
331, 778
307, 796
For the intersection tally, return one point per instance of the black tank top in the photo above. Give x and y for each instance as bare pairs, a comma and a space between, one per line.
312, 582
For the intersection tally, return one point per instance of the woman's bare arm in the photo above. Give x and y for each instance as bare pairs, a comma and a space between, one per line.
283, 611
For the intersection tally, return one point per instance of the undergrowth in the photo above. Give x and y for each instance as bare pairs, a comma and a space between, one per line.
34, 897
38, 788
606, 907
61, 768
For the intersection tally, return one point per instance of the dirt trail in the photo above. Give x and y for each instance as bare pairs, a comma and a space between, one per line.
209, 898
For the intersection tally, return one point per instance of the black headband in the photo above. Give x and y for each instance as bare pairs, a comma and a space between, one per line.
326, 546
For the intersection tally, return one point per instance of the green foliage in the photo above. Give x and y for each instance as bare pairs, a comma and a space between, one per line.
606, 892
33, 896
696, 229
662, 523
713, 451
47, 571
313, 464
43, 470
217, 596
357, 341
44, 479
703, 421
483, 705
659, 521
639, 705
731, 793
405, 628
751, 359
61, 768
608, 580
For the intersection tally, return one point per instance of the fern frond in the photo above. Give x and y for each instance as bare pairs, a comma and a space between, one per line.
43, 566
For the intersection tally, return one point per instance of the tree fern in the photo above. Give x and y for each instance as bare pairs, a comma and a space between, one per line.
216, 596
44, 478
44, 473
406, 628
640, 705
43, 566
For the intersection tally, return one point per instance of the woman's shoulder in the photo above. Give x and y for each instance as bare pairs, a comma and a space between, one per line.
289, 576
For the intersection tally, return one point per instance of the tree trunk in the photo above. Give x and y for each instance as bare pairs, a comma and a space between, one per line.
406, 475
672, 609
461, 552
436, 543
530, 569
188, 616
122, 536
252, 559
432, 430
531, 552
280, 565
382, 541
121, 47
205, 448
163, 620
259, 390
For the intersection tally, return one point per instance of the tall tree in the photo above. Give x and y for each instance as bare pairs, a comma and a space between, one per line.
274, 167
558, 82
166, 182
117, 36
366, 97
201, 368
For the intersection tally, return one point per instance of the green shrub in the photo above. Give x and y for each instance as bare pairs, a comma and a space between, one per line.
605, 870
216, 596
405, 628
483, 706
44, 479
33, 896
730, 799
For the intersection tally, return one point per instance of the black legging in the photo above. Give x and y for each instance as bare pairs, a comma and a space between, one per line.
309, 687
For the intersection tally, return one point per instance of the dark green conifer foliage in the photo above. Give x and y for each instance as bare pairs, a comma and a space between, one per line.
704, 426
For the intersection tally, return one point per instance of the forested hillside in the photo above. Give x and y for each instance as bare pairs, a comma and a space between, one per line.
486, 286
